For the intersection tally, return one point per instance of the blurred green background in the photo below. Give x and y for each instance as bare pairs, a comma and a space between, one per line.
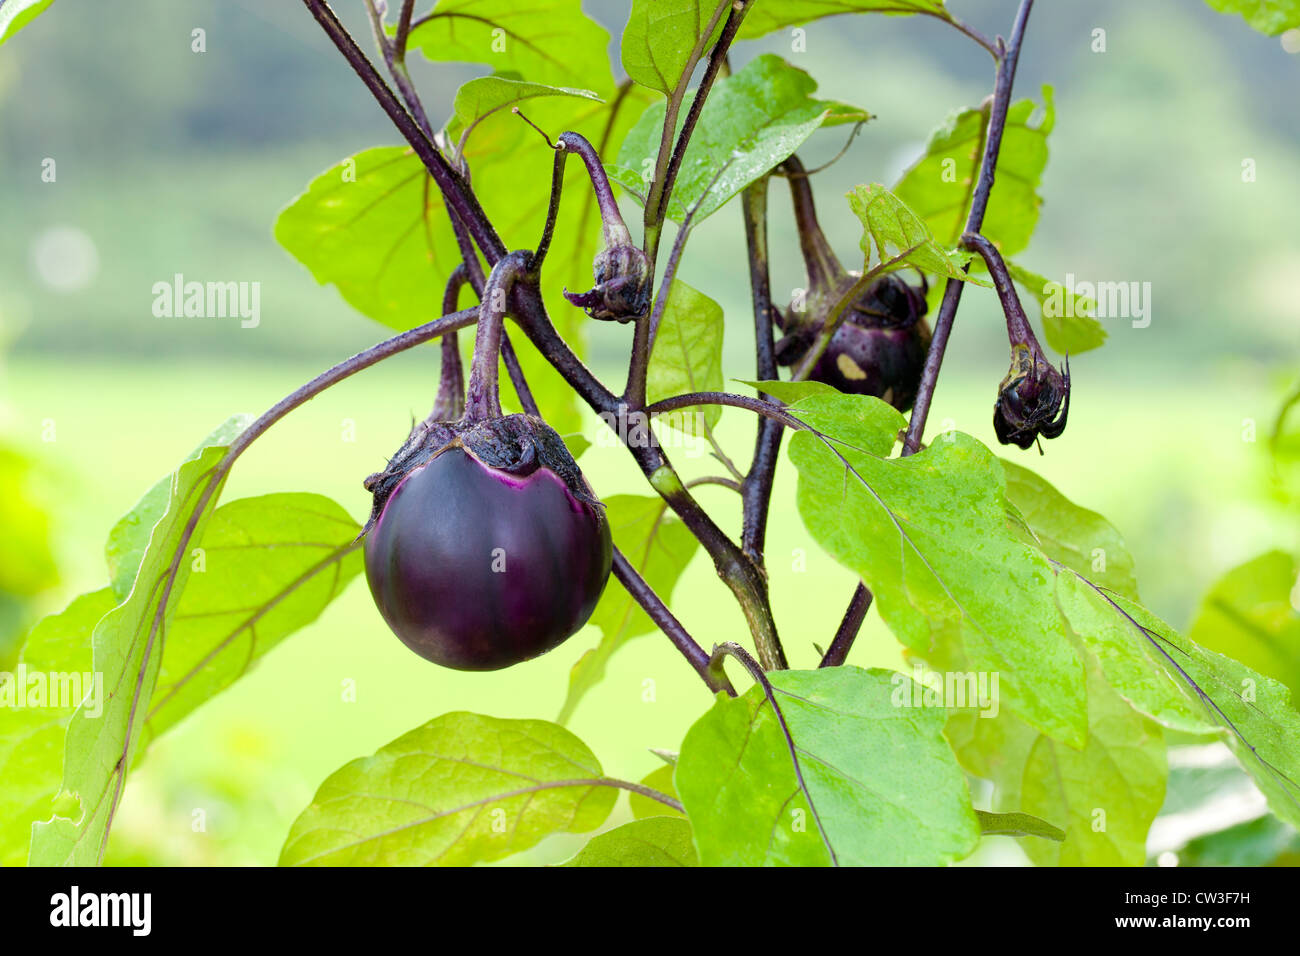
170, 161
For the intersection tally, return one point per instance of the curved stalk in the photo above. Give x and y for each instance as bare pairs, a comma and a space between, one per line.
1006, 75
483, 397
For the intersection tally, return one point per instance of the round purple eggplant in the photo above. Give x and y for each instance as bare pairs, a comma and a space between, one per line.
488, 550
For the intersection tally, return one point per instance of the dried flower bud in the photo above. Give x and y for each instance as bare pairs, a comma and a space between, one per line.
622, 290
1030, 397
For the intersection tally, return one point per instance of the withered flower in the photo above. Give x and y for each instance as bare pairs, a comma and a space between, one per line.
1031, 396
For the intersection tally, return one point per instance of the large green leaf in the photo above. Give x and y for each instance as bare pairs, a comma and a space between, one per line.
1267, 16
687, 355
270, 565
880, 784
752, 121
375, 226
31, 738
766, 17
1069, 322
659, 546
264, 568
543, 41
1179, 684
1254, 713
127, 651
1132, 665
660, 35
1104, 795
654, 841
1065, 532
485, 95
929, 535
461, 789
16, 14
941, 184
1250, 615
899, 238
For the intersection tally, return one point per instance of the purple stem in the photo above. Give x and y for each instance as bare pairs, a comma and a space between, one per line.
456, 194
1018, 327
838, 652
756, 490
450, 403
824, 268
483, 400
615, 229
1006, 74
644, 595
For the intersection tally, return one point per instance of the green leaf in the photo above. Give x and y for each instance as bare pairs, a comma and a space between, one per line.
1255, 713
928, 534
1103, 795
656, 841
900, 238
1267, 16
1250, 615
941, 184
792, 392
481, 97
375, 226
752, 121
1017, 825
661, 779
660, 36
129, 538
463, 788
659, 547
31, 738
1133, 666
687, 356
127, 651
1069, 322
16, 14
1065, 532
265, 567
881, 785
543, 41
764, 18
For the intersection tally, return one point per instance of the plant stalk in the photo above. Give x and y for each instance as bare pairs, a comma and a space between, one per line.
1006, 75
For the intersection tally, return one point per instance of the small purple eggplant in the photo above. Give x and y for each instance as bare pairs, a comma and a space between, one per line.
880, 346
488, 550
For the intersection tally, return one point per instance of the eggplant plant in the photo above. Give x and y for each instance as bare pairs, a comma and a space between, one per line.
1043, 696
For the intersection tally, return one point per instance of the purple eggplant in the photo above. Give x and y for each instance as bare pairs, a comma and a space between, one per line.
489, 549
